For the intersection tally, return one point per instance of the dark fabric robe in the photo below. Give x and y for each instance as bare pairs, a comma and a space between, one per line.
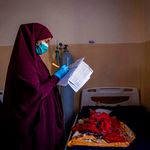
32, 110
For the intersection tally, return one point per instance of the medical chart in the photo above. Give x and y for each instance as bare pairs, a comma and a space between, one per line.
78, 75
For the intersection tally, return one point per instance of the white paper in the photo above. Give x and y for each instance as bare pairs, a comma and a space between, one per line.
77, 76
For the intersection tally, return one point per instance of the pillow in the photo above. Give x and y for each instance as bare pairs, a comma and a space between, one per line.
101, 110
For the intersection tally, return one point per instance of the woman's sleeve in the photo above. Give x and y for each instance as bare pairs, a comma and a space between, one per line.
47, 86
38, 89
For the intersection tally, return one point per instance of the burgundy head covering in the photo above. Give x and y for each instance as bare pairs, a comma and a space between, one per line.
32, 104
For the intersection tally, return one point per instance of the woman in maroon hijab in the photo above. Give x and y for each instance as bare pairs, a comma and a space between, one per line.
33, 116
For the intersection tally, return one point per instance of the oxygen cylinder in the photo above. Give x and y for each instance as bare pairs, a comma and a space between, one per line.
56, 59
60, 52
67, 94
67, 57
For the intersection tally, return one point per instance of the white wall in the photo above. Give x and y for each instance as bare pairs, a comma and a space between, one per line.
76, 21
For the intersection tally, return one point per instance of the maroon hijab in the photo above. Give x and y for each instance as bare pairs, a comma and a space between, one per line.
32, 105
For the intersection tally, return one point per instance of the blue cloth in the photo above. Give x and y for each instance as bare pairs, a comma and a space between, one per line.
62, 71
41, 48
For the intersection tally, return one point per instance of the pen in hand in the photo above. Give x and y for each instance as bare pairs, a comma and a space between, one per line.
55, 65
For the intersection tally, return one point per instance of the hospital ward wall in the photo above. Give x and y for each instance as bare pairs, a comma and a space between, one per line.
113, 65
146, 81
117, 27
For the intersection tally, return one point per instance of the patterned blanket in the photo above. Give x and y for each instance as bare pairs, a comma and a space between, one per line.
100, 129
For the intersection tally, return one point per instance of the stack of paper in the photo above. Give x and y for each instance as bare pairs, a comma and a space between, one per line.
77, 76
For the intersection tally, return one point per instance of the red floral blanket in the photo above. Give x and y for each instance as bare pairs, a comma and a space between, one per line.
103, 129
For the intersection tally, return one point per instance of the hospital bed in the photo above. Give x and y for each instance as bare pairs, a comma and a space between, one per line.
124, 104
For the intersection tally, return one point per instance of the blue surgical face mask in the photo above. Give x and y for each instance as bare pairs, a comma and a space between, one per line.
41, 48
